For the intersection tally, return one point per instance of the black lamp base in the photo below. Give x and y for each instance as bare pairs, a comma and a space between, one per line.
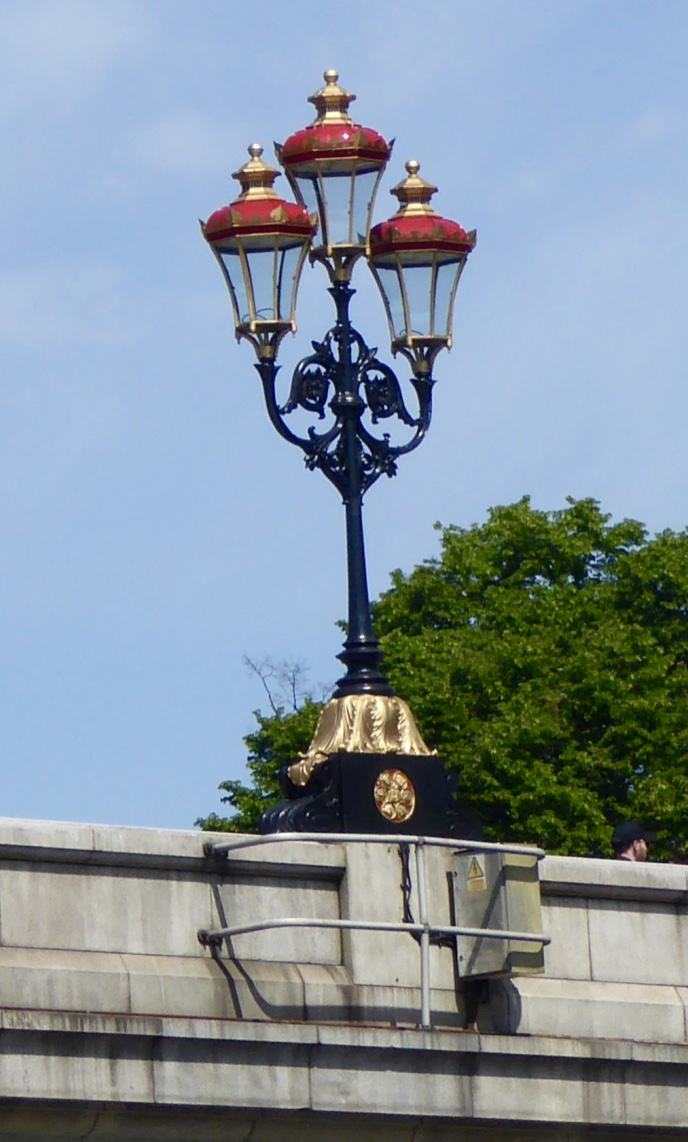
391, 794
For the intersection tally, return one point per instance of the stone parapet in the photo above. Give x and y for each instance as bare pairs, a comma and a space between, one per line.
110, 1007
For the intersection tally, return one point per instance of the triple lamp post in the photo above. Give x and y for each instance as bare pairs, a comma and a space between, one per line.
367, 768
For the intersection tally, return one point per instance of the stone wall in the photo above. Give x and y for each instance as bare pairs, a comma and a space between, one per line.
115, 1023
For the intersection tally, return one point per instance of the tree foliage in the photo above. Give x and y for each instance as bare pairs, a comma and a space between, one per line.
545, 656
277, 742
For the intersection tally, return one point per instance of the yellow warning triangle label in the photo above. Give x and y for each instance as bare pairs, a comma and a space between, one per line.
475, 872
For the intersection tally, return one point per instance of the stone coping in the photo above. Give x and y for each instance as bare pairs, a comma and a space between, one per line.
124, 846
355, 1037
174, 849
617, 880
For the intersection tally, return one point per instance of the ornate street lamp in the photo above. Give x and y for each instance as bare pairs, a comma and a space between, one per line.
334, 166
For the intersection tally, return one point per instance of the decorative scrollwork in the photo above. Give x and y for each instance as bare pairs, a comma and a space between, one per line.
310, 389
344, 376
383, 393
310, 385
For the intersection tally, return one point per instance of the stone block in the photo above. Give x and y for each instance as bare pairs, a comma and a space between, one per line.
682, 993
565, 919
245, 1074
613, 879
104, 910
255, 989
174, 986
641, 942
248, 900
64, 981
547, 1091
330, 996
214, 988
395, 1081
74, 1066
45, 836
376, 957
328, 993
655, 1093
401, 1007
589, 1010
382, 958
123, 846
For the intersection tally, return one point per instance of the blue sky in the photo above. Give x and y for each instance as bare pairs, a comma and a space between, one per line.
154, 528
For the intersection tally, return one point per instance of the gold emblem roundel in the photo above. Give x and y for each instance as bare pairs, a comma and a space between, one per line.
395, 796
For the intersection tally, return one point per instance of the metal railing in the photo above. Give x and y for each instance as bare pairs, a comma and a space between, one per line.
423, 928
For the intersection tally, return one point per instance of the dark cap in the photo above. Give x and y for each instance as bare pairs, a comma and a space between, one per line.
628, 832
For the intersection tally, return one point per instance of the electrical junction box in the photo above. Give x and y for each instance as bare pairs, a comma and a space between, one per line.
498, 891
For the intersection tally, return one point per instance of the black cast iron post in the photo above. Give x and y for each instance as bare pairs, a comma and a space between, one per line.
344, 377
361, 654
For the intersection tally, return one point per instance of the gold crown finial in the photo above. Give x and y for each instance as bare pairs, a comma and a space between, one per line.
332, 101
256, 177
414, 193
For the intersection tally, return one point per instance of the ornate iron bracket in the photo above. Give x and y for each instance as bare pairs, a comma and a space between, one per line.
344, 377
343, 382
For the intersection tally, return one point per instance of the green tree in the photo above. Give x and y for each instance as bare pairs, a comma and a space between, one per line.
277, 742
545, 656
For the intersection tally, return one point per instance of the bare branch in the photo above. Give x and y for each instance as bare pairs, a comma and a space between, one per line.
285, 682
265, 670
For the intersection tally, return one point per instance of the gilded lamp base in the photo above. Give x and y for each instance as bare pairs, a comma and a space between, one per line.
360, 723
368, 770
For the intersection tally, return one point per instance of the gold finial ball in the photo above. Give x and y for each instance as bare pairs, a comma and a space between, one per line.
255, 150
412, 167
331, 76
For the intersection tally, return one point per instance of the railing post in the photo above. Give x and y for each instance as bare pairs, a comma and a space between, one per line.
425, 1020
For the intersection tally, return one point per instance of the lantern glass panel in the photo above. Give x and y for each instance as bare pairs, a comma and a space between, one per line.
231, 263
364, 192
261, 265
446, 275
309, 189
418, 279
391, 288
342, 197
337, 192
289, 261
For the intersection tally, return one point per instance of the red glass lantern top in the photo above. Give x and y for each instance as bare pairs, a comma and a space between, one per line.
416, 227
258, 210
333, 135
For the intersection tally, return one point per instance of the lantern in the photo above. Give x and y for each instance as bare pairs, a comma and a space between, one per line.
417, 258
260, 242
334, 167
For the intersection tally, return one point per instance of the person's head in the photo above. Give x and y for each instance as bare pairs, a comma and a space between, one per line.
631, 841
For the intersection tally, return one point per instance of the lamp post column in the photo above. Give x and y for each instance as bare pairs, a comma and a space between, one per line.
361, 654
